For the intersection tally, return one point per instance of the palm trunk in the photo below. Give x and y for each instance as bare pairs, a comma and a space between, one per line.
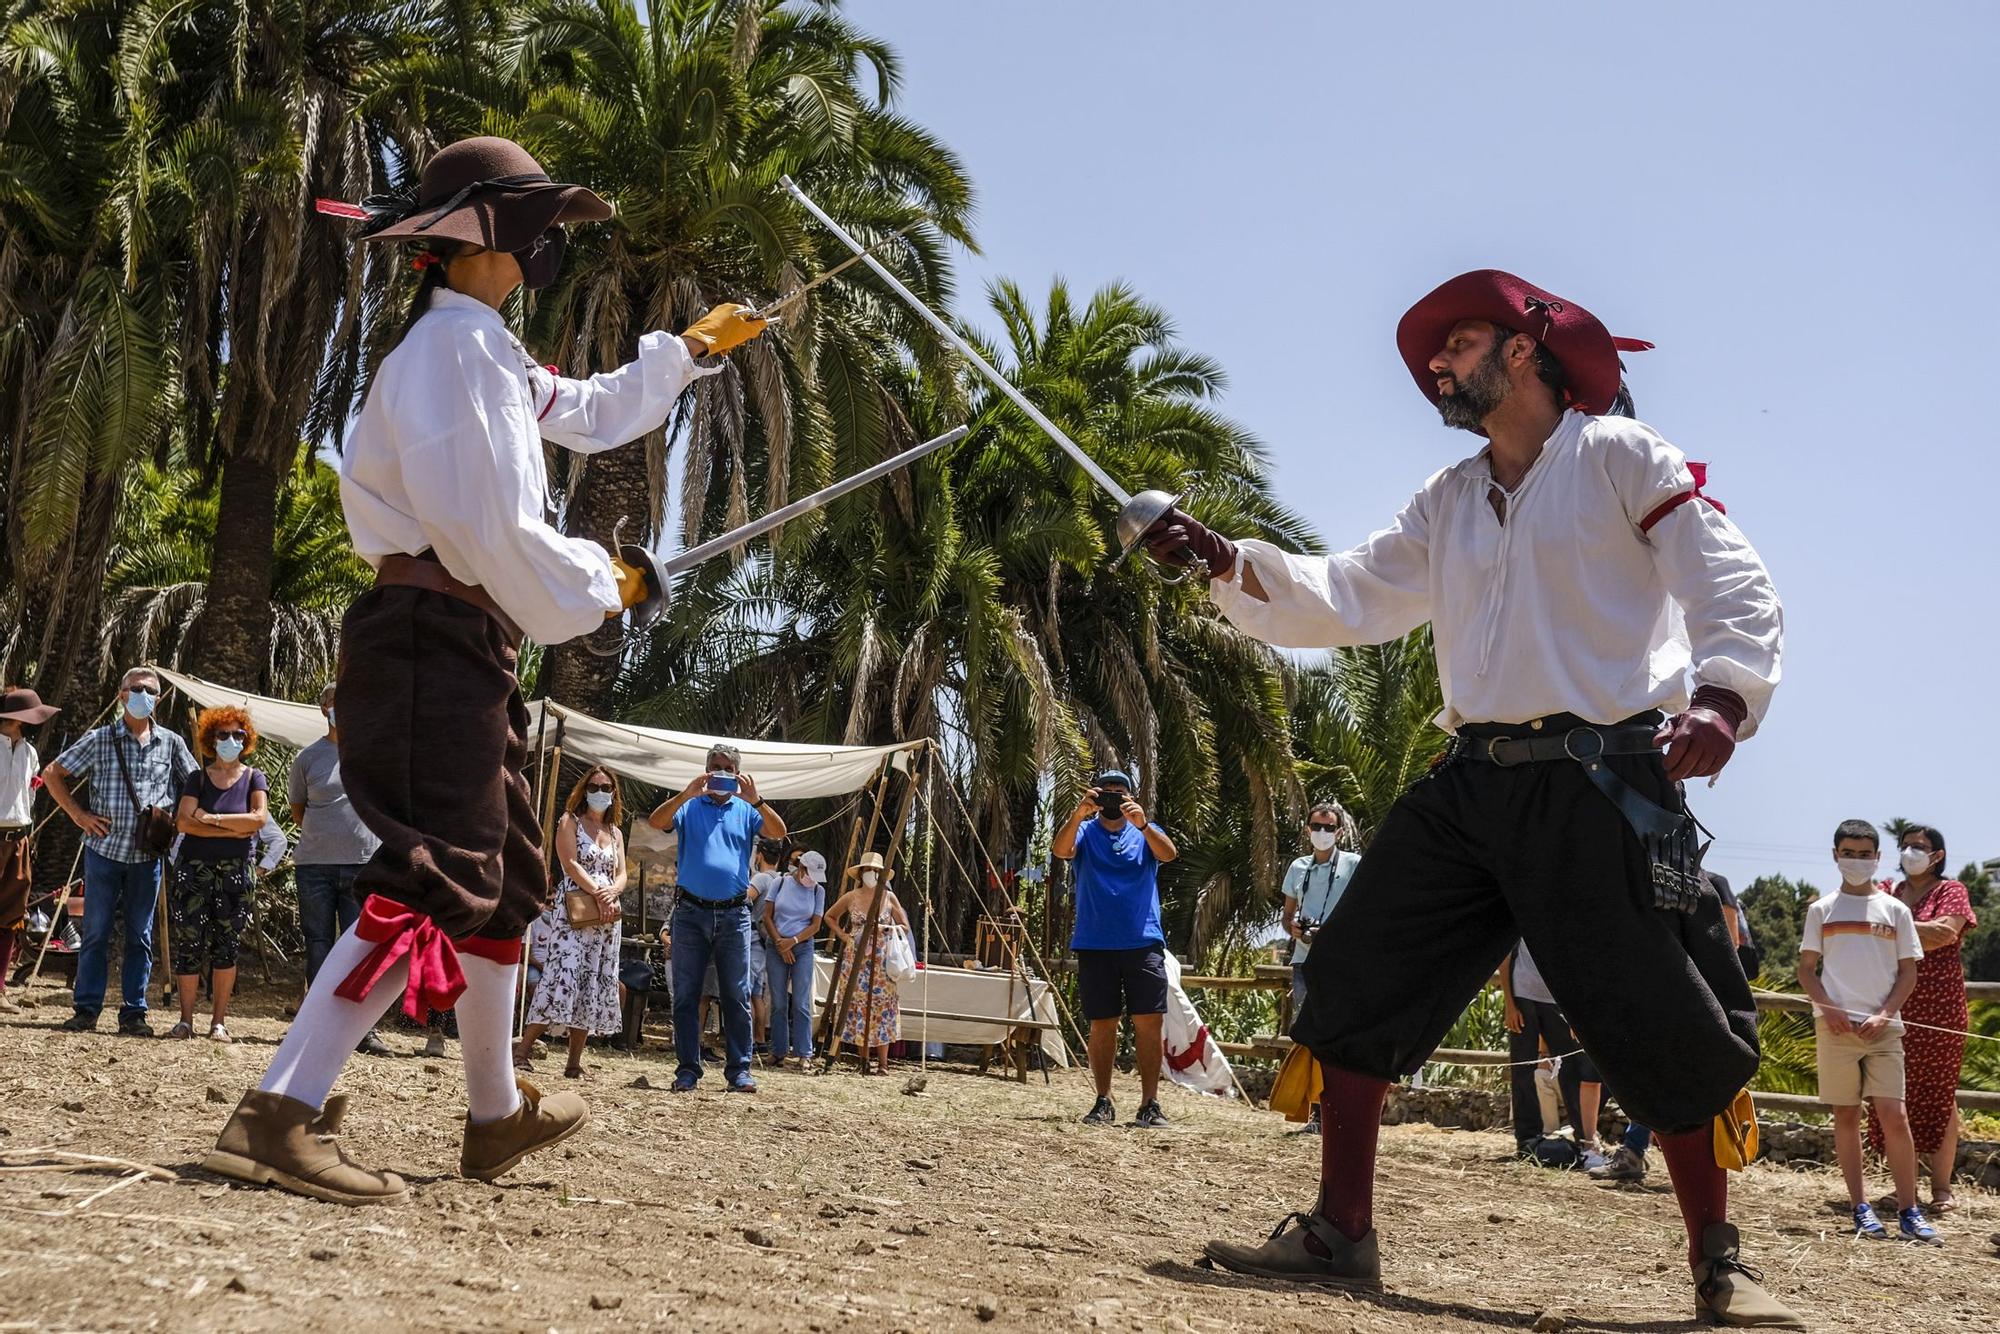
233, 643
614, 487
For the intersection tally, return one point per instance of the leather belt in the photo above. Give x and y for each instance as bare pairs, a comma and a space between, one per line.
427, 573
693, 900
1581, 744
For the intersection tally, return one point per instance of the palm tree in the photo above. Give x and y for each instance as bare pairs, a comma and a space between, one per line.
274, 103
159, 579
688, 121
87, 305
1365, 725
969, 601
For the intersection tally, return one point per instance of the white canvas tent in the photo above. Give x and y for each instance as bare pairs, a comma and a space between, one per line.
649, 754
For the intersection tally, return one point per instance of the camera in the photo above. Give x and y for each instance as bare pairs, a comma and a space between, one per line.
1308, 928
722, 782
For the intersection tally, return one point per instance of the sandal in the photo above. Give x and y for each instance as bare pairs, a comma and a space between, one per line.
217, 1033
1945, 1204
181, 1031
572, 1072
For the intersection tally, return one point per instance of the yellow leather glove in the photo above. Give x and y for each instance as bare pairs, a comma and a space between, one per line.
725, 328
631, 586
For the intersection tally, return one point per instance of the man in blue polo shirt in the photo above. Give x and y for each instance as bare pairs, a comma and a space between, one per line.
1121, 963
717, 820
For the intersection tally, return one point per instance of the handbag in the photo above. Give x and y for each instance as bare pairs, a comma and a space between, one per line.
583, 908
156, 830
899, 959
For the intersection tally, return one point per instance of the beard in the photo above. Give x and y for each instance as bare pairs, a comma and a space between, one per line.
1474, 398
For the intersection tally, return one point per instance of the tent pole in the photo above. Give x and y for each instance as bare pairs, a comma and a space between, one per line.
865, 946
548, 794
875, 789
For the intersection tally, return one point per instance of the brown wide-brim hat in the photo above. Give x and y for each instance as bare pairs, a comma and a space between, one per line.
489, 192
1577, 339
25, 706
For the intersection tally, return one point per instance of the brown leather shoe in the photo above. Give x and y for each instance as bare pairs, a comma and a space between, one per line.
279, 1141
538, 1123
1352, 1264
1729, 1292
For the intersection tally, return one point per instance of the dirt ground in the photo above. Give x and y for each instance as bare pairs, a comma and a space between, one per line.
838, 1203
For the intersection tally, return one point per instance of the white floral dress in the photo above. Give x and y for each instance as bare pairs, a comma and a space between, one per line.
579, 986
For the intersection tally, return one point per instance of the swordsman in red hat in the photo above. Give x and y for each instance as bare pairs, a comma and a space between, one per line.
445, 490
1575, 578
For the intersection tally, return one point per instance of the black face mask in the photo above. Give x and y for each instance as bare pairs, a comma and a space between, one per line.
541, 261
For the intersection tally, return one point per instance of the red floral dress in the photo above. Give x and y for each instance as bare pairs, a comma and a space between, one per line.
1931, 1059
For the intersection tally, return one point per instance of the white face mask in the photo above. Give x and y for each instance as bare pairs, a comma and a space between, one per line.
1857, 870
329, 715
598, 801
1323, 839
1916, 861
868, 879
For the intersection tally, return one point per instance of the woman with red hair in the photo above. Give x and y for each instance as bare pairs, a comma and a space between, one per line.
222, 807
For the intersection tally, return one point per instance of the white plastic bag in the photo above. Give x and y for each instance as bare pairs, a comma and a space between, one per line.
899, 958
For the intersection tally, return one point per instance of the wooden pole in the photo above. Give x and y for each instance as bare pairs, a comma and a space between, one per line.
866, 944
548, 774
876, 790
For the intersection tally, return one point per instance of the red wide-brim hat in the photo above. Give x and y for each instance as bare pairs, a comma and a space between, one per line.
1578, 341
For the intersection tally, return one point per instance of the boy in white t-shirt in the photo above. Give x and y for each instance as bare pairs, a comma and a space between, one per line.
1858, 962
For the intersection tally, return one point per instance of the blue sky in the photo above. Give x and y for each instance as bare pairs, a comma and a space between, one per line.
1796, 202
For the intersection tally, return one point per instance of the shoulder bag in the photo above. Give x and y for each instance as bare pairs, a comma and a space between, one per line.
156, 827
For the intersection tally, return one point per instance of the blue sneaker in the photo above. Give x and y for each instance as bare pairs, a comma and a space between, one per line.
1914, 1227
743, 1083
682, 1084
1867, 1225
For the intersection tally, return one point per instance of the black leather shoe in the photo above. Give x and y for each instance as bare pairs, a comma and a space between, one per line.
371, 1044
134, 1026
79, 1023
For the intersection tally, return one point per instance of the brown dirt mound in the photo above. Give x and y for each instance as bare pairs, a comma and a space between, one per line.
838, 1203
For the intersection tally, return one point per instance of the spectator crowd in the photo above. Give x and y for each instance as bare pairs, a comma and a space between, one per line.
194, 819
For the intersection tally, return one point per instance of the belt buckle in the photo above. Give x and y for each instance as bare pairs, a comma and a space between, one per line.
1493, 754
1570, 750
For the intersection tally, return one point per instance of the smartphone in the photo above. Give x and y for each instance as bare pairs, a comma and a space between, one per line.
723, 783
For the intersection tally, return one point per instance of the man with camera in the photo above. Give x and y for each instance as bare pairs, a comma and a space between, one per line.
1313, 884
1121, 965
718, 819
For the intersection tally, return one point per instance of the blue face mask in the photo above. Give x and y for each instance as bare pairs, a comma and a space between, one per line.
139, 704
598, 801
228, 748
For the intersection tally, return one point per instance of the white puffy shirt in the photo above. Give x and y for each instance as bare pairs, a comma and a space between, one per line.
18, 766
1571, 606
447, 454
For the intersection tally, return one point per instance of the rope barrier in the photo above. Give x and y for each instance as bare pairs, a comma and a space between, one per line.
1907, 1023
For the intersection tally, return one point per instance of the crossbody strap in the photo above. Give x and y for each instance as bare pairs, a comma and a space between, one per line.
124, 771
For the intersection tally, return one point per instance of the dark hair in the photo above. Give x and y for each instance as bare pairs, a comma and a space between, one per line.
1936, 840
1857, 829
776, 851
440, 250
1547, 369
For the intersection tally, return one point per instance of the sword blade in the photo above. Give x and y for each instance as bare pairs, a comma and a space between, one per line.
950, 335
819, 499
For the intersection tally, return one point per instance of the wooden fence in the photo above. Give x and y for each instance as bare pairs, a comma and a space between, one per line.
1278, 977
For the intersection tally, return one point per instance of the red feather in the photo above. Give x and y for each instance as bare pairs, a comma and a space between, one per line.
335, 208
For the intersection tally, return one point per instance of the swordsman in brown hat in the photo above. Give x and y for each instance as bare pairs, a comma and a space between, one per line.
1575, 578
20, 709
444, 487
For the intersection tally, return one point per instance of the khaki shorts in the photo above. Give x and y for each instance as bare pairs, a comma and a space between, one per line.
1852, 1067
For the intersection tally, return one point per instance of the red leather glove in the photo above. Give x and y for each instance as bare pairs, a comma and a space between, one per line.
1178, 538
1701, 740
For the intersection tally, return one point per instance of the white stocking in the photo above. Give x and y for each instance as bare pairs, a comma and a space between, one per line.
486, 1038
321, 1039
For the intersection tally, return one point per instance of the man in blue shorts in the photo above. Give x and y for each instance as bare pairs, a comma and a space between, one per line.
1121, 965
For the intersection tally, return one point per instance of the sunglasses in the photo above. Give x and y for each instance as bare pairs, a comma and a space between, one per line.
1328, 828
597, 787
142, 690
232, 736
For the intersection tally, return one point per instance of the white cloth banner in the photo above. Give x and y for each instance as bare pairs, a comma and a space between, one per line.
1193, 1059
942, 990
650, 754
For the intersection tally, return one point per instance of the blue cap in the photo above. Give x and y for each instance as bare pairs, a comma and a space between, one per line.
1117, 776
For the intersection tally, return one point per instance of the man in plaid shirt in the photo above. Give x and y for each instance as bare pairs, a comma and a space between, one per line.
117, 876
